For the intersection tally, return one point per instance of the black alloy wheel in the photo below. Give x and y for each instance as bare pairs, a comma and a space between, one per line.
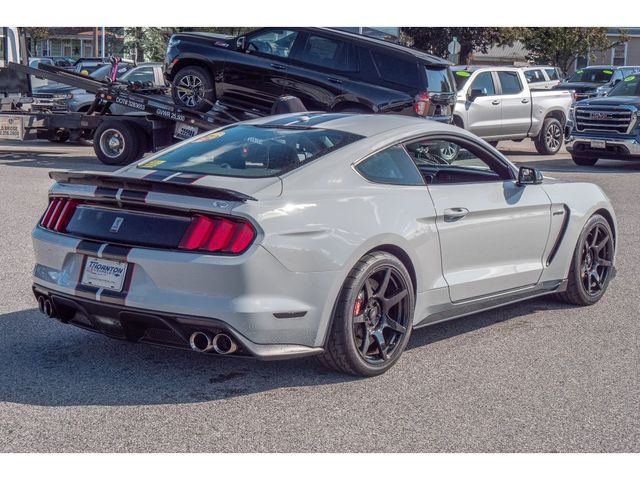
373, 317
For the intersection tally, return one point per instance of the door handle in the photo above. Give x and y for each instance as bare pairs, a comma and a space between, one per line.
525, 100
334, 80
453, 214
277, 66
495, 102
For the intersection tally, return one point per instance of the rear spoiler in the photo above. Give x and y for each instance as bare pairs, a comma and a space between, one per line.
113, 181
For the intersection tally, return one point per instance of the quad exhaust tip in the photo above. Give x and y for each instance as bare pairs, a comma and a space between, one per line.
45, 306
222, 343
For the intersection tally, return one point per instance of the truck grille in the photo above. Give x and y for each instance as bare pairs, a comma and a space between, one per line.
604, 119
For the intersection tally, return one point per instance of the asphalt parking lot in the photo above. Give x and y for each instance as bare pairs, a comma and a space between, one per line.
537, 376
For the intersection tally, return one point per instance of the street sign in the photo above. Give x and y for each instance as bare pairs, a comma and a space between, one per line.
454, 46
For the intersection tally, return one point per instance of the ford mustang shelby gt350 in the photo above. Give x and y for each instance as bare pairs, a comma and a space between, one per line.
314, 234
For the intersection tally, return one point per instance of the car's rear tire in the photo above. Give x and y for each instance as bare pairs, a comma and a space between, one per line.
373, 317
193, 87
549, 140
116, 142
583, 161
591, 264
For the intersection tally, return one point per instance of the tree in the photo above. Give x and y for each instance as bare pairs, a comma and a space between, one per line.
435, 40
133, 42
36, 35
561, 45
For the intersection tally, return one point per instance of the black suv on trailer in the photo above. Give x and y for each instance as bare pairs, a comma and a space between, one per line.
327, 69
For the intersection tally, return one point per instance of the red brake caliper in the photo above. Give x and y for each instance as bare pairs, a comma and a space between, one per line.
357, 307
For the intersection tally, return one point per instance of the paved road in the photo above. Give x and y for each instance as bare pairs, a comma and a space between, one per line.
533, 377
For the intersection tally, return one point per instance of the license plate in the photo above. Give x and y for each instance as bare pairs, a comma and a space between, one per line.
105, 274
184, 131
11, 128
598, 144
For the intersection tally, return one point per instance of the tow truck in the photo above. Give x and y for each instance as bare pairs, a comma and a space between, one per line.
154, 122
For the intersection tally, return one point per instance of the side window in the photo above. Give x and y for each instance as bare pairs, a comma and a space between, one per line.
510, 83
484, 83
276, 42
392, 166
328, 53
534, 76
396, 69
443, 161
143, 74
552, 73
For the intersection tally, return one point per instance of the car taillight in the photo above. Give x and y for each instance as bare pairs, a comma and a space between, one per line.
217, 235
422, 104
57, 215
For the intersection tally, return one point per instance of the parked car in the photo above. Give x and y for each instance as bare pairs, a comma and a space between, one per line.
542, 77
606, 127
585, 81
230, 243
618, 75
62, 62
149, 73
86, 66
61, 97
496, 104
327, 69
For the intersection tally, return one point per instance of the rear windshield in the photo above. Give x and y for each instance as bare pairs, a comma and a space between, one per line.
629, 87
591, 75
438, 80
251, 151
461, 77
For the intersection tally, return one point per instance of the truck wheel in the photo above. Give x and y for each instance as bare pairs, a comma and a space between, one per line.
549, 140
583, 161
116, 143
193, 88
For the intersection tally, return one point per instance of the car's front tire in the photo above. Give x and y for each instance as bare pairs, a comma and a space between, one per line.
591, 263
193, 87
373, 317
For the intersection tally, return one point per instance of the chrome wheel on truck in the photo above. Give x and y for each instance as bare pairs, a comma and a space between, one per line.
549, 140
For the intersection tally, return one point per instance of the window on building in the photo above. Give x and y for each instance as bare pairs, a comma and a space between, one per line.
619, 54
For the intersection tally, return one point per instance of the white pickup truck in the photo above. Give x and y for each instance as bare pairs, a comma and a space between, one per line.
496, 104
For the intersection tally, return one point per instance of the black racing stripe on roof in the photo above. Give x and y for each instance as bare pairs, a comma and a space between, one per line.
313, 119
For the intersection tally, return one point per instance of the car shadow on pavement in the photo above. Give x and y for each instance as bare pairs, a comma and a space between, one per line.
46, 363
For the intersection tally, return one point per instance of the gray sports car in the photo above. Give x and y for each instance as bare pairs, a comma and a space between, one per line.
314, 234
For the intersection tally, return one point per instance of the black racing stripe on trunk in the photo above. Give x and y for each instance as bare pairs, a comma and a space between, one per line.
133, 196
158, 175
87, 247
106, 192
186, 178
116, 252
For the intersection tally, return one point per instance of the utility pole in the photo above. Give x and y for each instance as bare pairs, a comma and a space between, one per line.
95, 41
103, 42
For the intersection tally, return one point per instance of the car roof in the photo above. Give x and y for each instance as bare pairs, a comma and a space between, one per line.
473, 68
366, 125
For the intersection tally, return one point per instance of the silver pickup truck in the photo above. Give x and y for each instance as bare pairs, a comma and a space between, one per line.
496, 104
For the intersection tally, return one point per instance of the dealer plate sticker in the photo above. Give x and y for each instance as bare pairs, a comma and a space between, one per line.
105, 274
598, 144
11, 128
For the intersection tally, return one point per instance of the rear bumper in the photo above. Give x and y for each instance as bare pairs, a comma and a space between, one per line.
616, 147
157, 328
252, 295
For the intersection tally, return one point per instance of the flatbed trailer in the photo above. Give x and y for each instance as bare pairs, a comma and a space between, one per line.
155, 121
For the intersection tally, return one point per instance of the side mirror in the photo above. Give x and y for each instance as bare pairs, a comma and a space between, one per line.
241, 44
476, 92
529, 176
